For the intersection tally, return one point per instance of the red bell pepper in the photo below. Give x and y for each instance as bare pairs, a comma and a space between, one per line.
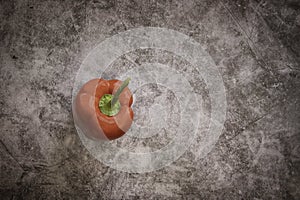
103, 109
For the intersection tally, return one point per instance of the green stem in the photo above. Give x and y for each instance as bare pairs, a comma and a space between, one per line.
119, 91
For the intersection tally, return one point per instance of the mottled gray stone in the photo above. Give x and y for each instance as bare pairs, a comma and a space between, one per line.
255, 45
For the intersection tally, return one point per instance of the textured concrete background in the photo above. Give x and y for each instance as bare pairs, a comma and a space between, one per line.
254, 43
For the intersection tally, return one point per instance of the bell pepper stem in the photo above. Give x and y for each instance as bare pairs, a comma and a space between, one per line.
119, 91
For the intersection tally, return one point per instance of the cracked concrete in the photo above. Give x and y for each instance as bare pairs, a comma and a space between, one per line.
255, 44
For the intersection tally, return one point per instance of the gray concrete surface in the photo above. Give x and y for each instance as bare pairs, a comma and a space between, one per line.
254, 43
